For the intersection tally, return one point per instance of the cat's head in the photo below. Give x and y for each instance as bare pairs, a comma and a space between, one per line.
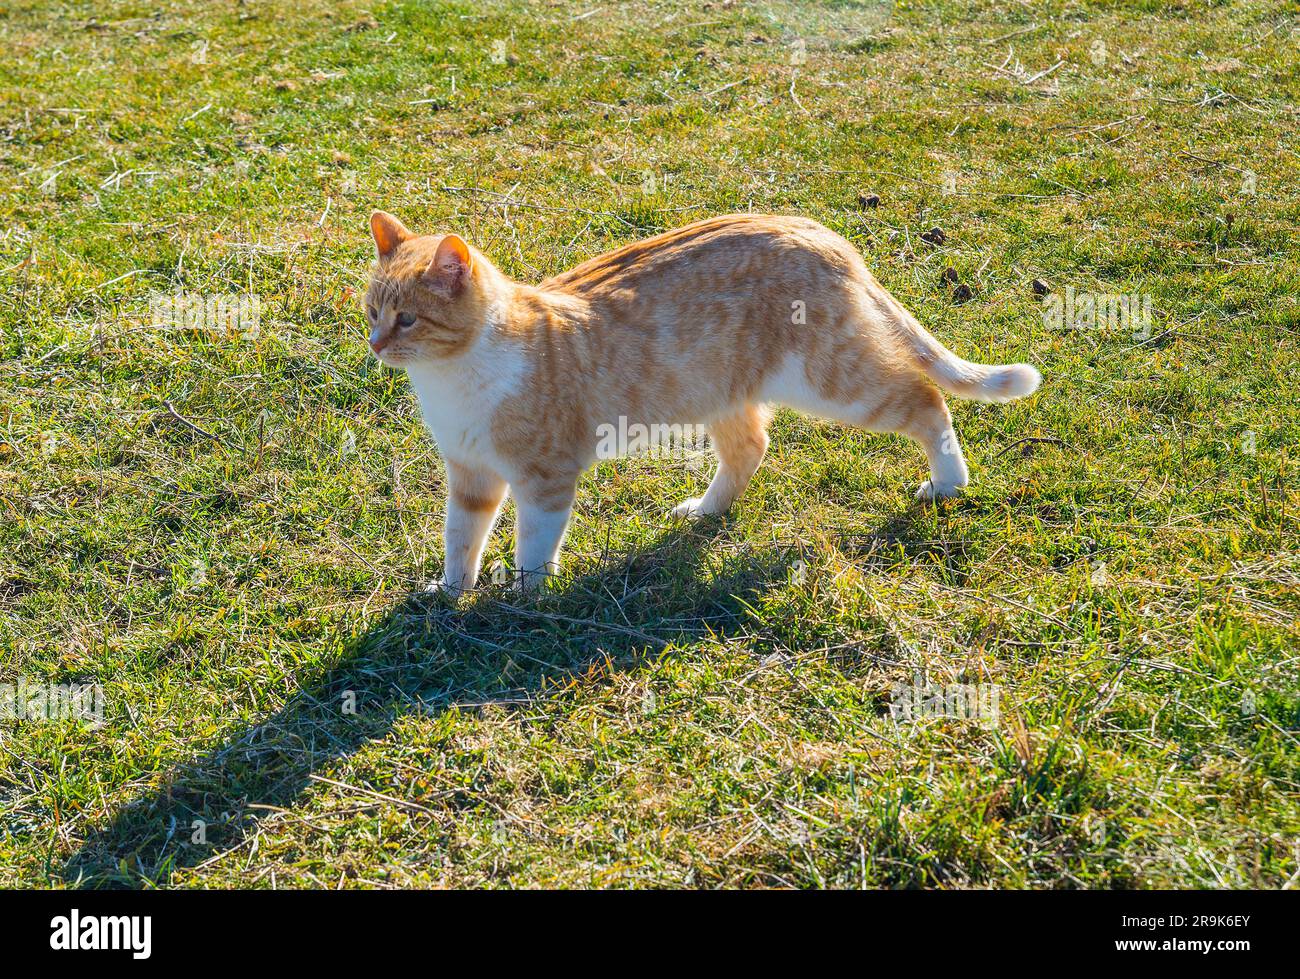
430, 296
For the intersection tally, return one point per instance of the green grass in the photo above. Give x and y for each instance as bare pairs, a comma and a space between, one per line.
689, 706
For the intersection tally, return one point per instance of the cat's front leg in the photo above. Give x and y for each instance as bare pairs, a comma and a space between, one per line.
543, 517
473, 501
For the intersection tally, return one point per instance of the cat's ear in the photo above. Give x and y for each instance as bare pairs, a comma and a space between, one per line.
388, 231
451, 265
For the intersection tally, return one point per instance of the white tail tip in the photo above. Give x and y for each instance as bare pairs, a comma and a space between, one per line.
1011, 382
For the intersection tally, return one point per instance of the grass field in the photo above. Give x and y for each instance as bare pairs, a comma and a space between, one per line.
229, 529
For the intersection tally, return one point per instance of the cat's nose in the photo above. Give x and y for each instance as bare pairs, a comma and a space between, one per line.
378, 340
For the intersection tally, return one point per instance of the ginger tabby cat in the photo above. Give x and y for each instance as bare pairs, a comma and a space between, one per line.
708, 324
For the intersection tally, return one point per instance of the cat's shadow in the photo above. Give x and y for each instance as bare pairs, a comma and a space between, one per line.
429, 656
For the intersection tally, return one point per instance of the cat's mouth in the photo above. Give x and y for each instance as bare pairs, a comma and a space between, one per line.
423, 350
387, 346
389, 357
385, 351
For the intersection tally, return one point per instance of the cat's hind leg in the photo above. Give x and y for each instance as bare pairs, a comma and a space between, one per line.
915, 408
739, 441
923, 415
857, 392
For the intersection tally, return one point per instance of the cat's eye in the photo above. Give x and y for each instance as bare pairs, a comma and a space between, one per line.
370, 311
405, 319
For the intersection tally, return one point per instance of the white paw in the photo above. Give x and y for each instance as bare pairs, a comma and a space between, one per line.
928, 491
440, 587
691, 509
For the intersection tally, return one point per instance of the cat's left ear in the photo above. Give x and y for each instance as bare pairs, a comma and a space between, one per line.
451, 265
388, 232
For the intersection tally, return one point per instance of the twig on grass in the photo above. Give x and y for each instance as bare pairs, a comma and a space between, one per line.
1043, 74
404, 803
171, 410
1036, 438
570, 620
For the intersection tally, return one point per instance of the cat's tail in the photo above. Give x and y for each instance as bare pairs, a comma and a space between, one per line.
982, 382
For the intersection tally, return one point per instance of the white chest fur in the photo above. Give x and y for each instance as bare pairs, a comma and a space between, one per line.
459, 397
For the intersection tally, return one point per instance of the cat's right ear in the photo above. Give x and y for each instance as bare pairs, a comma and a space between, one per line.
388, 231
